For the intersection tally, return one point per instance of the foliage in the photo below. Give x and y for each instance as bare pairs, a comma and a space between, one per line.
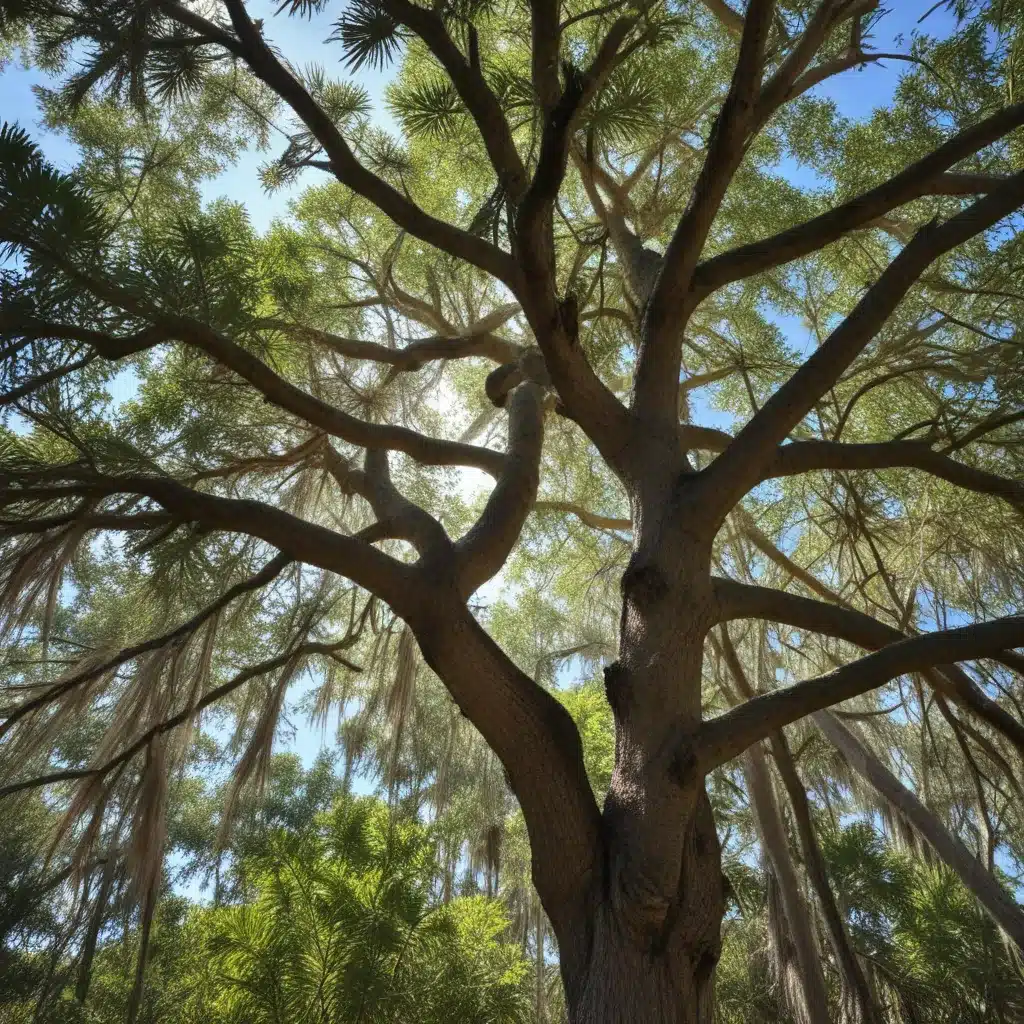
338, 921
241, 487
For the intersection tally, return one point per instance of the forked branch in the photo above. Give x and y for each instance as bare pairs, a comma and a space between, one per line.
742, 464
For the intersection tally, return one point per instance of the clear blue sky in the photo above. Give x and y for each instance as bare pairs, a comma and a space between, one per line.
857, 94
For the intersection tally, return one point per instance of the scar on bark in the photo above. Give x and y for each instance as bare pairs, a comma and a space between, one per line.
569, 315
617, 688
644, 585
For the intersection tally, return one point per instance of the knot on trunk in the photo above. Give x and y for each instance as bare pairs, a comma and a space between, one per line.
617, 688
643, 585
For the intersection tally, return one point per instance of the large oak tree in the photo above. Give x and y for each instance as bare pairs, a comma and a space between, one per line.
586, 205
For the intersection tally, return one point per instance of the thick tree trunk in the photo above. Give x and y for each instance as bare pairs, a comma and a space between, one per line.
665, 975
653, 933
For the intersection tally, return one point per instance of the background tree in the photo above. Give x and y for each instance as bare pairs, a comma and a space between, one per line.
588, 199
335, 920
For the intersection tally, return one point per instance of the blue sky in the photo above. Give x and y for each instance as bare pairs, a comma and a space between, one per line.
856, 93
301, 40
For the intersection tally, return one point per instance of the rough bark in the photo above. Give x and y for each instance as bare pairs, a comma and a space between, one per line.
635, 973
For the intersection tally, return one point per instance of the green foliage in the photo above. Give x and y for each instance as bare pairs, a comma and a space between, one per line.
369, 35
593, 717
333, 913
922, 933
339, 921
429, 108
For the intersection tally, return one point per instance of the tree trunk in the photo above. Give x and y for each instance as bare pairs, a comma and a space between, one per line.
856, 983
798, 915
665, 975
989, 893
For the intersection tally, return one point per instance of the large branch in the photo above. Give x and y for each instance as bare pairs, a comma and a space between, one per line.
741, 600
740, 466
533, 215
804, 456
484, 549
1007, 913
397, 517
657, 376
296, 538
539, 747
723, 738
281, 392
263, 63
925, 177
545, 44
782, 85
477, 340
555, 322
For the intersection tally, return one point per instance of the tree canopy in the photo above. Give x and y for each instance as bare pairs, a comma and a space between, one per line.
627, 358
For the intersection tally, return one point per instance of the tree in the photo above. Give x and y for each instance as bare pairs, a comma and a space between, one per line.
340, 923
585, 199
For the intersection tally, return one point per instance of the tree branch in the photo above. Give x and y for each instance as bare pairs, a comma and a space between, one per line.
730, 19
781, 86
739, 467
741, 601
805, 456
535, 209
477, 340
475, 93
484, 549
399, 517
925, 177
728, 735
262, 62
260, 579
546, 39
657, 375
298, 539
282, 393
539, 747
592, 519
